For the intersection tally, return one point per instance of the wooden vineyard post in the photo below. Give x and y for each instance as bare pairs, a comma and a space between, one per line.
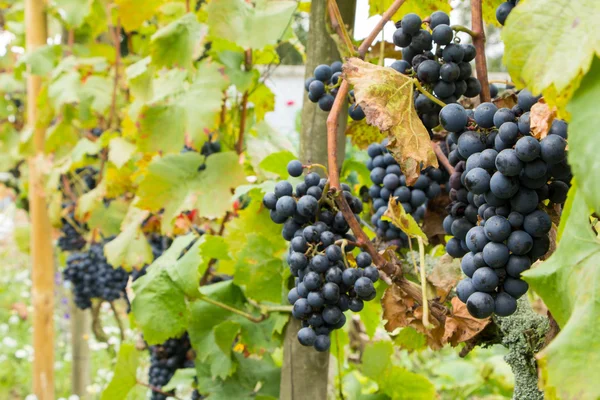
304, 374
42, 271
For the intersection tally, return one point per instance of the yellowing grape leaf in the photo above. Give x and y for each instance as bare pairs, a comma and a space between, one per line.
489, 11
401, 219
568, 283
120, 151
362, 134
130, 248
386, 96
234, 19
133, 13
583, 136
424, 8
543, 57
174, 183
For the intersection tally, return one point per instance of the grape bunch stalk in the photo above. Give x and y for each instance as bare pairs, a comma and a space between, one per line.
92, 277
328, 279
323, 87
503, 175
388, 181
445, 72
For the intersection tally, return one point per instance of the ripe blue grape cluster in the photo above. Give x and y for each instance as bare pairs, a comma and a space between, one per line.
502, 176
504, 9
91, 276
388, 181
323, 86
445, 73
166, 359
328, 282
70, 238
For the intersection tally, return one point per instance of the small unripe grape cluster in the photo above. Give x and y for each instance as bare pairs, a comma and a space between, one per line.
323, 86
328, 281
502, 176
446, 72
388, 181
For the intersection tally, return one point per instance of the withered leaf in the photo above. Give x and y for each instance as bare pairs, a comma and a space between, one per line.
540, 118
386, 97
461, 326
445, 275
400, 218
362, 134
508, 99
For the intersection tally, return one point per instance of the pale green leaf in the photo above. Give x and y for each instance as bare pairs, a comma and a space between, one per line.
130, 248
73, 12
161, 128
545, 60
61, 138
125, 374
64, 89
277, 163
42, 59
108, 219
263, 100
568, 283
176, 44
233, 19
120, 151
183, 377
98, 90
583, 137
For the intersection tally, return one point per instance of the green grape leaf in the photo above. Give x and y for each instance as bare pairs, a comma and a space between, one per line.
174, 182
97, 90
125, 375
8, 83
424, 8
386, 96
410, 339
372, 311
235, 71
61, 138
568, 283
397, 382
161, 128
203, 101
263, 100
403, 220
108, 219
277, 163
130, 248
73, 12
583, 138
545, 60
64, 89
83, 149
360, 169
133, 13
259, 269
41, 60
159, 306
177, 44
233, 19
120, 151
139, 77
362, 134
9, 146
222, 363
183, 377
263, 140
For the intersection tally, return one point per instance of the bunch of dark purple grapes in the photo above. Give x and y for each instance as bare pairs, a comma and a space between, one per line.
328, 282
388, 181
504, 10
323, 86
71, 238
502, 176
91, 277
445, 72
166, 359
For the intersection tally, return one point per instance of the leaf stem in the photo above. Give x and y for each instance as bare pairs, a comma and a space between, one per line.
234, 310
118, 319
431, 97
337, 24
426, 322
442, 157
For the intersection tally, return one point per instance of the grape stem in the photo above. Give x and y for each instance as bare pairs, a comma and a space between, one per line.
426, 322
442, 157
239, 147
265, 310
460, 28
431, 97
118, 319
479, 43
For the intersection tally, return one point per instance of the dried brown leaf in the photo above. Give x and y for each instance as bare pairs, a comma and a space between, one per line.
541, 117
461, 326
362, 134
400, 310
386, 97
508, 99
445, 274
